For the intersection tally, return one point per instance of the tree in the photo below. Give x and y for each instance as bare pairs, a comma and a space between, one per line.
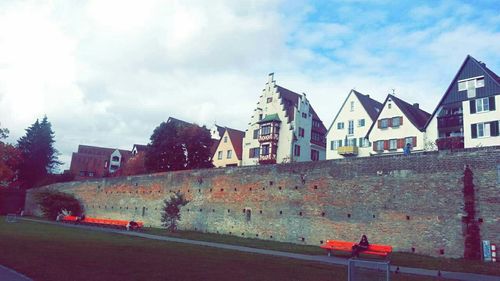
171, 211
53, 202
38, 152
135, 165
178, 146
10, 160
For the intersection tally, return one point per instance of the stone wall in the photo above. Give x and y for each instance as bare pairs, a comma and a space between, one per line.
415, 203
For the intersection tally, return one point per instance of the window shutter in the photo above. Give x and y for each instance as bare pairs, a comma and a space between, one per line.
331, 145
400, 121
340, 143
386, 145
414, 142
472, 104
389, 122
494, 129
473, 128
492, 103
375, 146
401, 143
379, 124
354, 142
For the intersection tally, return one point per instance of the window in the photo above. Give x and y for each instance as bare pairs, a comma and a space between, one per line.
269, 100
254, 152
361, 122
379, 145
315, 136
395, 122
114, 167
91, 174
316, 124
265, 149
351, 127
389, 105
340, 125
225, 139
352, 106
255, 134
296, 151
393, 144
360, 142
351, 142
82, 173
219, 155
483, 130
470, 84
314, 155
409, 141
366, 142
229, 154
384, 123
301, 132
483, 105
304, 115
260, 116
334, 144
489, 129
265, 130
115, 159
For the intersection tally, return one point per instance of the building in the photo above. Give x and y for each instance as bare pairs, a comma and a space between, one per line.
138, 148
97, 162
398, 124
346, 136
283, 128
229, 149
467, 116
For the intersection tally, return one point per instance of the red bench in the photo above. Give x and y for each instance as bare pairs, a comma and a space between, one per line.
102, 222
344, 246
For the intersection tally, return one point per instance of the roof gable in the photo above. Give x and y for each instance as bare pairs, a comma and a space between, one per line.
470, 68
371, 106
236, 139
413, 113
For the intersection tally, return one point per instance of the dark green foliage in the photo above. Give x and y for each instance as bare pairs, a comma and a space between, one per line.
171, 211
53, 202
178, 146
39, 154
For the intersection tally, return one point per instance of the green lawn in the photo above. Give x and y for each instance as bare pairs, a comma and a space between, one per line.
397, 258
51, 252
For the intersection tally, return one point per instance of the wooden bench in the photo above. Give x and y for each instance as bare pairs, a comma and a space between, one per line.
345, 246
101, 222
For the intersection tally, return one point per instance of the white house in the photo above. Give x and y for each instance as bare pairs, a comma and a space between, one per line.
346, 136
228, 149
283, 128
467, 116
398, 124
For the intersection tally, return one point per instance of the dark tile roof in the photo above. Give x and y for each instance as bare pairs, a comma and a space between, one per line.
236, 137
290, 102
416, 115
270, 117
140, 147
371, 106
220, 130
93, 159
178, 122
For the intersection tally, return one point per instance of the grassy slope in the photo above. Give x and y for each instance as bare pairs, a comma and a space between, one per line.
48, 252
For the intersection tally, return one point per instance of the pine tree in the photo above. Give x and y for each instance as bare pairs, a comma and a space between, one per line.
38, 152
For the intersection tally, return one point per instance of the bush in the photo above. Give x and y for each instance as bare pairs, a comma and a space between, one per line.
171, 211
53, 202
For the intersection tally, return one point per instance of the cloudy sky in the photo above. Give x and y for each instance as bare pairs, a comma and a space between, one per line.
106, 73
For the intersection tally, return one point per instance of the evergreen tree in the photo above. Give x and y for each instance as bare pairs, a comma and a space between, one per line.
171, 211
38, 152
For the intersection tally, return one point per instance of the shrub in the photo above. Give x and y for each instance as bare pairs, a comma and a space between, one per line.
53, 202
171, 211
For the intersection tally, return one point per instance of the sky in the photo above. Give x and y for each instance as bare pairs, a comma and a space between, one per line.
106, 73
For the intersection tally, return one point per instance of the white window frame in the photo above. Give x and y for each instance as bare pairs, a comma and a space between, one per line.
361, 122
470, 83
480, 105
382, 123
409, 140
219, 155
350, 129
340, 125
379, 145
229, 154
391, 146
484, 128
392, 122
352, 106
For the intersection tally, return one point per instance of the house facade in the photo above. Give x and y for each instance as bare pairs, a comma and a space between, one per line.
229, 149
346, 136
283, 128
467, 115
398, 124
97, 162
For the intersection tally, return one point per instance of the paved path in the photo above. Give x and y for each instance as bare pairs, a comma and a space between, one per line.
323, 259
8, 274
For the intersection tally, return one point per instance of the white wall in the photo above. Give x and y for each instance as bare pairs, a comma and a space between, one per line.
479, 118
224, 147
407, 129
345, 114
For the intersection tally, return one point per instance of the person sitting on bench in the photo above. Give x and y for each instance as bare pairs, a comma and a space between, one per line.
361, 246
132, 225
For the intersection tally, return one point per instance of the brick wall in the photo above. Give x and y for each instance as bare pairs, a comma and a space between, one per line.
409, 202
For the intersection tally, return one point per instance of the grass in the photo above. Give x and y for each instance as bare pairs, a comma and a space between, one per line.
52, 252
397, 258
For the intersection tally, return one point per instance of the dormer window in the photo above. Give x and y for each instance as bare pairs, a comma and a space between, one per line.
115, 159
471, 85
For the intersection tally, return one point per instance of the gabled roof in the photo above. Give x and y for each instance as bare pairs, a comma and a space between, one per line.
488, 72
291, 101
371, 106
140, 147
178, 122
220, 130
236, 137
417, 116
96, 150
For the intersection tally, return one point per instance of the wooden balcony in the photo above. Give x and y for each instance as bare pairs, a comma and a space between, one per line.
347, 150
450, 143
267, 159
450, 121
269, 138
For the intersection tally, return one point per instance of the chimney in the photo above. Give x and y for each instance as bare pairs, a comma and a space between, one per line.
416, 105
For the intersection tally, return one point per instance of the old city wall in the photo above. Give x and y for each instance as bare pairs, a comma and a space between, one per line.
415, 203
